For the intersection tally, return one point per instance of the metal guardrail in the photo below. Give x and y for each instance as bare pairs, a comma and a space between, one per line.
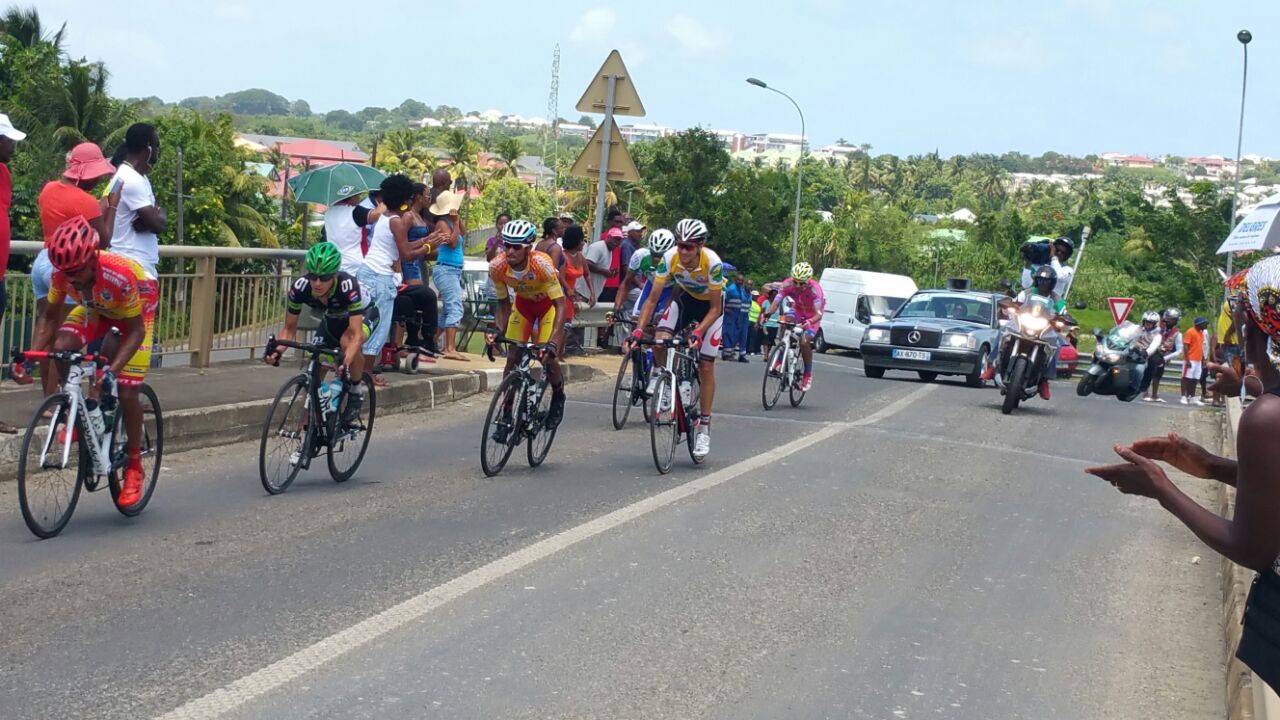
202, 313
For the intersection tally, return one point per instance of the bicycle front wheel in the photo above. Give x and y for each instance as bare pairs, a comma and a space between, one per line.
540, 436
771, 389
287, 436
797, 381
348, 440
501, 433
623, 391
152, 450
49, 488
664, 423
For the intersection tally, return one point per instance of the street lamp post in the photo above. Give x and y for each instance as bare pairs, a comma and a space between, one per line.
1244, 36
795, 231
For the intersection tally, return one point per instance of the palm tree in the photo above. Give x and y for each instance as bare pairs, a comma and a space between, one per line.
83, 111
508, 151
21, 28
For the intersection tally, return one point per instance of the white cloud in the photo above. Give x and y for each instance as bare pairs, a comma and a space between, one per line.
692, 35
594, 25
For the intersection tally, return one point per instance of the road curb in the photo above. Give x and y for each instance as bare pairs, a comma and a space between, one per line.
1247, 696
196, 428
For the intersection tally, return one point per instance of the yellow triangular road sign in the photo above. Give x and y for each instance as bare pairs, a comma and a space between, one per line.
626, 101
621, 167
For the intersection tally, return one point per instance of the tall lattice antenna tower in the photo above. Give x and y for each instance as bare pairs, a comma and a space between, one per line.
550, 134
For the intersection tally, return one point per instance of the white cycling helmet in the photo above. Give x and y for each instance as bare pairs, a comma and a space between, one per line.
691, 230
802, 271
1151, 316
518, 232
660, 241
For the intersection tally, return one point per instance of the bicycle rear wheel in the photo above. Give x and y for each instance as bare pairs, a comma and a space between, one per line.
664, 425
771, 389
623, 389
501, 419
287, 436
797, 381
540, 437
349, 441
48, 489
152, 447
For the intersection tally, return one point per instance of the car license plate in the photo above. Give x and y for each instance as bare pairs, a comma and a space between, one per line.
911, 355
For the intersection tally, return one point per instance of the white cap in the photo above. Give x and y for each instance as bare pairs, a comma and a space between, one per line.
8, 130
633, 225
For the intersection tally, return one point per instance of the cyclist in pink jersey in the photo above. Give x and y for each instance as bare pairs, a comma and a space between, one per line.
807, 302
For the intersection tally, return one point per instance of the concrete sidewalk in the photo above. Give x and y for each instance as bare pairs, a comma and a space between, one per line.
227, 402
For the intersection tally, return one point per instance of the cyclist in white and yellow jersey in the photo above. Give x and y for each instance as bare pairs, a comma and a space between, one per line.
698, 272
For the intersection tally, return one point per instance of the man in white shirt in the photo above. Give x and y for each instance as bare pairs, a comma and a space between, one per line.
344, 223
138, 218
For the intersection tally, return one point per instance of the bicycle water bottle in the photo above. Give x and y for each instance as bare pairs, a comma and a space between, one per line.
335, 393
686, 393
96, 420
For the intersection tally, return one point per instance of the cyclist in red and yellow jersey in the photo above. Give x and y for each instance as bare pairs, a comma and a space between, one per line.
110, 292
539, 300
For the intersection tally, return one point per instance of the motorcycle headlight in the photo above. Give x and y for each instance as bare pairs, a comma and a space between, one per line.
1033, 323
1114, 358
958, 340
877, 335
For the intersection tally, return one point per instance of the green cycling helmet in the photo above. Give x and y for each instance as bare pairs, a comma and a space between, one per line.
324, 258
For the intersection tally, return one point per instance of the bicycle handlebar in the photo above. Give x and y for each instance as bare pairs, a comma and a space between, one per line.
274, 344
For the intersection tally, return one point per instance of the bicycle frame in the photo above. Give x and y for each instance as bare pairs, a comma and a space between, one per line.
678, 348
790, 344
317, 411
100, 445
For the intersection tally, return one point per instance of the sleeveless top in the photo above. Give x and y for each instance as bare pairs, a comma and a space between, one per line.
451, 256
412, 269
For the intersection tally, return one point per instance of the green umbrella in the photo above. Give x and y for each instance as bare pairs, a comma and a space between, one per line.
331, 183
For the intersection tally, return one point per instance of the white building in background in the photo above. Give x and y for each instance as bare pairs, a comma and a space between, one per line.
775, 141
428, 122
471, 122
838, 151
633, 133
732, 140
574, 130
1214, 165
963, 215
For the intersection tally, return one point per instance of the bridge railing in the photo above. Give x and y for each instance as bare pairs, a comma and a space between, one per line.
215, 303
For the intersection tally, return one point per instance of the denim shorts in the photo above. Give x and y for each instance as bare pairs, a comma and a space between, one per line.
448, 280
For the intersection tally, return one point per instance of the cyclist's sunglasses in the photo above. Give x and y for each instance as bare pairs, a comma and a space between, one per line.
320, 278
687, 246
515, 246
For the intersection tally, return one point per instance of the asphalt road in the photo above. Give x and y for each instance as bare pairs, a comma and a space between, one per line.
891, 549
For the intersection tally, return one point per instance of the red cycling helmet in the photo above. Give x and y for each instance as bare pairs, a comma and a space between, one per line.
72, 244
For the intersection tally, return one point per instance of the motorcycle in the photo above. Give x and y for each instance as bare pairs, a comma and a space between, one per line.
1028, 348
1119, 362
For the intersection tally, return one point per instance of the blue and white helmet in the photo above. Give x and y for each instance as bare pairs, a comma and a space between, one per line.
518, 232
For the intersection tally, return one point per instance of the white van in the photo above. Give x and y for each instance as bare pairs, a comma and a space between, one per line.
855, 299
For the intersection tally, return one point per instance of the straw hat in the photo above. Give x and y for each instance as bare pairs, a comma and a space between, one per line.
446, 203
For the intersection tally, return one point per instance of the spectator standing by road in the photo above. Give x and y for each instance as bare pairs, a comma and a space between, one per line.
1170, 340
139, 219
733, 302
9, 139
576, 281
744, 316
1193, 366
1250, 537
447, 273
605, 258
613, 220
753, 331
632, 240
388, 245
552, 231
344, 223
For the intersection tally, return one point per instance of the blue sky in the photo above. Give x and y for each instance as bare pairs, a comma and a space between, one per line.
1074, 76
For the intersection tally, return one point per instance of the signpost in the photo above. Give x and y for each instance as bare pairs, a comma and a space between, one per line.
1120, 307
611, 92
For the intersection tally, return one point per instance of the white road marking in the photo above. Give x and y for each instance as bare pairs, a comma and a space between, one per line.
276, 675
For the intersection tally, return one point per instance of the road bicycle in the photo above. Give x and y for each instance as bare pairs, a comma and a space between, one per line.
306, 419
519, 409
673, 405
784, 369
55, 465
631, 388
